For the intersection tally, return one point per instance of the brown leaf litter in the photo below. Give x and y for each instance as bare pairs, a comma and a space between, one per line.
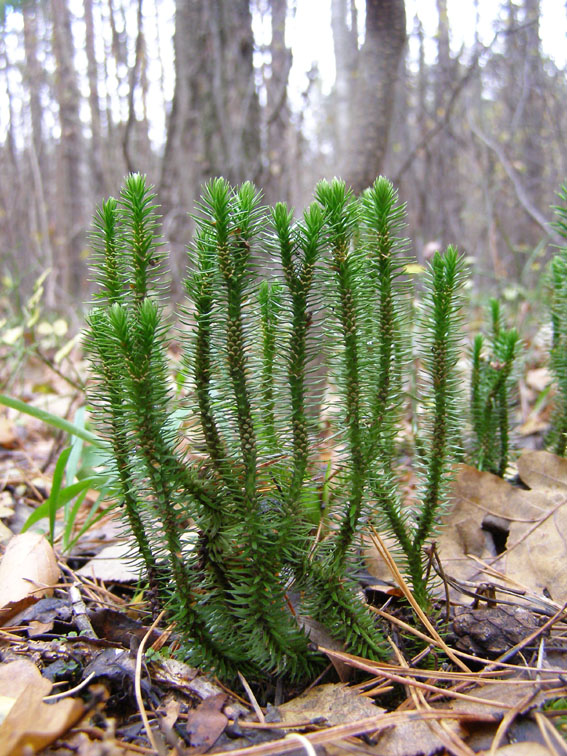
502, 556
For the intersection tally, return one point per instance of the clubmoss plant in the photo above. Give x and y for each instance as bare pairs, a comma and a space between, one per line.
491, 393
558, 356
229, 530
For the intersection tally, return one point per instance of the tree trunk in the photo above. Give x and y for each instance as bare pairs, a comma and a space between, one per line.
36, 153
213, 128
345, 43
276, 182
444, 194
374, 93
69, 186
33, 77
535, 103
135, 140
96, 158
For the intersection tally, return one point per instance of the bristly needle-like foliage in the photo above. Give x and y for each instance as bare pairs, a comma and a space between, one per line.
226, 528
558, 362
491, 394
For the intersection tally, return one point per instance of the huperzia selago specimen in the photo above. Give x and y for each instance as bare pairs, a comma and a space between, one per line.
558, 362
491, 393
230, 527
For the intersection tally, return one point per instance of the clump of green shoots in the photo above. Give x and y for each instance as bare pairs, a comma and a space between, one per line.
491, 393
558, 361
231, 529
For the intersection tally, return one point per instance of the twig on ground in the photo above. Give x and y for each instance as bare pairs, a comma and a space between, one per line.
138, 685
387, 557
80, 614
255, 705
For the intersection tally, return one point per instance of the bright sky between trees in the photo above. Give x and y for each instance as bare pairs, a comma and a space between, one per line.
311, 37
308, 33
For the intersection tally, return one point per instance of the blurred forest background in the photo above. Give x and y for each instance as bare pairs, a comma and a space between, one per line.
473, 136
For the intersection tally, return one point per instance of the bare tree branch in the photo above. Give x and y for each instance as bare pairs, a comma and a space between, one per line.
444, 120
519, 189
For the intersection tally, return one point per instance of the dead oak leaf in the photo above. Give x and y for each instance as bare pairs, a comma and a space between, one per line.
533, 523
29, 724
338, 704
332, 703
28, 570
207, 722
536, 552
520, 749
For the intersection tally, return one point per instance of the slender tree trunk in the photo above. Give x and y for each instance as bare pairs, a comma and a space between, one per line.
424, 219
523, 124
135, 141
276, 182
535, 104
96, 157
445, 184
114, 66
70, 210
374, 96
214, 123
10, 187
345, 42
37, 158
33, 76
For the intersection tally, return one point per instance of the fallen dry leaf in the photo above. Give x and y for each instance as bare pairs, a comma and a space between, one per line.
479, 497
475, 496
500, 697
520, 533
6, 504
520, 749
29, 723
318, 633
207, 722
28, 568
8, 436
117, 627
42, 615
531, 522
5, 533
538, 378
535, 551
172, 709
373, 561
412, 738
333, 703
532, 425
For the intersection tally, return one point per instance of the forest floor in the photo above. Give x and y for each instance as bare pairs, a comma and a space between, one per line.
83, 670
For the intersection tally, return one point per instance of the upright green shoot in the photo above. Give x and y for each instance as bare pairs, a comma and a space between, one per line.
440, 349
558, 361
491, 393
224, 526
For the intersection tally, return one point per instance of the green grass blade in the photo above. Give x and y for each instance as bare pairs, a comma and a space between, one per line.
94, 515
71, 516
76, 448
53, 420
53, 500
63, 496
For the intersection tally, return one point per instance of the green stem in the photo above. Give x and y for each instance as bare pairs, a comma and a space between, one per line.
112, 387
237, 369
202, 297
298, 257
269, 299
348, 321
440, 358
